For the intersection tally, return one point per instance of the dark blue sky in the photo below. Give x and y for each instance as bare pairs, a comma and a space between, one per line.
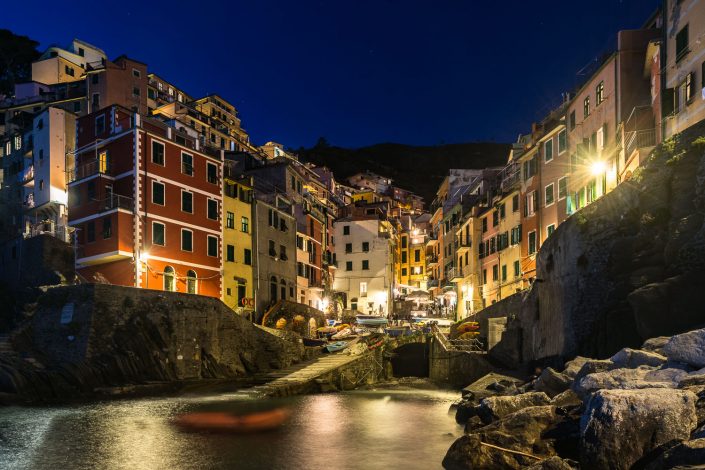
359, 71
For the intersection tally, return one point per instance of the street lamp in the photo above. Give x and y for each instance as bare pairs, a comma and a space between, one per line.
597, 168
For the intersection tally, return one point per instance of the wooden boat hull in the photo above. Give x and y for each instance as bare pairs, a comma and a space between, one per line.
337, 346
230, 423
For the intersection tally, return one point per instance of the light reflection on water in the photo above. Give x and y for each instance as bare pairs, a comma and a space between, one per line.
370, 430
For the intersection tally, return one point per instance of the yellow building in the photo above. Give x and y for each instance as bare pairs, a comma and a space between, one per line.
469, 236
366, 195
410, 262
238, 226
509, 257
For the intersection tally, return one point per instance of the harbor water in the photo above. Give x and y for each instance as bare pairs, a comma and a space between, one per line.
379, 429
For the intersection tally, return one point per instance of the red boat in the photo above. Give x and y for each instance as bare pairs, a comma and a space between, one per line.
228, 422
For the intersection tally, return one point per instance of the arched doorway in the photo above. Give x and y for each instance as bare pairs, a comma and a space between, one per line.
273, 289
169, 279
312, 327
191, 282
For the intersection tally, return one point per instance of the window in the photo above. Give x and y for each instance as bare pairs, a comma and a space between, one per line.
69, 70
136, 73
191, 280
230, 220
241, 293
702, 75
186, 201
365, 264
107, 228
549, 194
90, 190
550, 229
77, 107
90, 231
135, 91
245, 224
212, 209
515, 203
403, 271
169, 279
81, 52
562, 141
187, 164
151, 94
348, 266
530, 204
95, 101
212, 246
517, 269
186, 240
272, 248
417, 256
562, 188
346, 230
495, 272
689, 87
100, 124
548, 150
348, 247
157, 153
484, 276
157, 193
230, 253
365, 246
504, 272
273, 218
403, 242
363, 289
282, 253
502, 211
248, 257
403, 256
158, 234
484, 225
682, 43
212, 173
530, 167
586, 107
571, 120
600, 93
532, 242
94, 79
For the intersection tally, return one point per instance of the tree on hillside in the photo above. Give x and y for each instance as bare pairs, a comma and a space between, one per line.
16, 56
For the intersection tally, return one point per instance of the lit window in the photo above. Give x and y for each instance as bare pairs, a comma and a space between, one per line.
600, 93
586, 107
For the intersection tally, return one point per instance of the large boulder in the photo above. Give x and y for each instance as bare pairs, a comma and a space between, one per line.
566, 399
489, 385
551, 382
641, 377
494, 408
572, 368
593, 366
694, 378
687, 347
520, 432
632, 358
620, 426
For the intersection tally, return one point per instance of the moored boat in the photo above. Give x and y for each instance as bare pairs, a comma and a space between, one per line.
228, 422
337, 346
314, 342
371, 320
344, 333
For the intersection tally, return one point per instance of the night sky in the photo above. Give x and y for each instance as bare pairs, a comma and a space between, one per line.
359, 71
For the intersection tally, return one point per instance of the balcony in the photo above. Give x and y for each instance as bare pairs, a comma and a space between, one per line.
26, 176
117, 201
93, 167
432, 283
431, 260
463, 245
456, 274
637, 140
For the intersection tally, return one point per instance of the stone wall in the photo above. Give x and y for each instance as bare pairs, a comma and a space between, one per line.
456, 368
90, 336
626, 268
36, 261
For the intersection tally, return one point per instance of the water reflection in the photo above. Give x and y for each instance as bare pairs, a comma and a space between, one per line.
343, 431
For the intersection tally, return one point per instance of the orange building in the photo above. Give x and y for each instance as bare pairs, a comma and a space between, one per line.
146, 202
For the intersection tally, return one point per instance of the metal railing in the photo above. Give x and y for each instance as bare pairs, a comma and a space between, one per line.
640, 139
90, 168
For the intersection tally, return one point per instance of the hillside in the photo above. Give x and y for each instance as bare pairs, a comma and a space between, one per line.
419, 169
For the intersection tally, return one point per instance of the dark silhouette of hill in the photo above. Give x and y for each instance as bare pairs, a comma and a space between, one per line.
420, 169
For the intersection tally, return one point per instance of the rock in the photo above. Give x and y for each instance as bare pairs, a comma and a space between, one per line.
521, 431
554, 463
566, 399
493, 408
592, 366
667, 375
615, 379
481, 388
572, 368
699, 433
655, 344
687, 347
620, 426
465, 409
473, 424
689, 454
633, 358
551, 382
693, 379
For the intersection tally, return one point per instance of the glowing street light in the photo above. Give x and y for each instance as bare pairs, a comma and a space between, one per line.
597, 168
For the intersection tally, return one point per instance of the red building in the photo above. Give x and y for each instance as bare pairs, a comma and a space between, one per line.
146, 202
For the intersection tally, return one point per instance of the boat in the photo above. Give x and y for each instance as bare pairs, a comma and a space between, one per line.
344, 333
371, 320
337, 346
228, 422
314, 342
375, 344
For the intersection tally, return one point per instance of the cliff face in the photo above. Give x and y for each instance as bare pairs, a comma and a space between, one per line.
92, 336
629, 267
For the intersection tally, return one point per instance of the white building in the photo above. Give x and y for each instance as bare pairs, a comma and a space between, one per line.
59, 65
364, 249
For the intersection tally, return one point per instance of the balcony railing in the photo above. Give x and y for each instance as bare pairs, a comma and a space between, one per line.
639, 140
433, 283
90, 168
117, 201
431, 259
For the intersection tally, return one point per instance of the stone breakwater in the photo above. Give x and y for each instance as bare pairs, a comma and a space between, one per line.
641, 408
87, 340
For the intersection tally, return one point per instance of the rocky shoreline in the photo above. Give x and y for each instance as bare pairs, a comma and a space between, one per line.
641, 408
